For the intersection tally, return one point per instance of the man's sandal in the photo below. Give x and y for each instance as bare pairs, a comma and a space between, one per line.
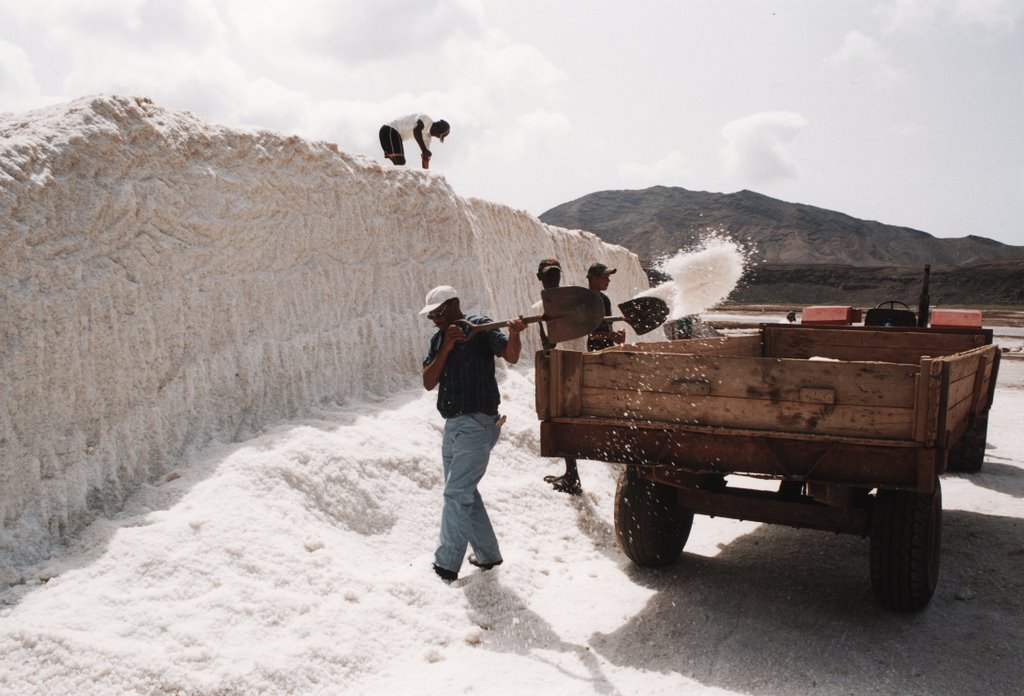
564, 485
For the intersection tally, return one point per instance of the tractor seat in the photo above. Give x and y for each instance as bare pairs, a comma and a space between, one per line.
885, 316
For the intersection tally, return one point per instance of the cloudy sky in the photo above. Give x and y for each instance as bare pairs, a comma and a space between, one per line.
910, 112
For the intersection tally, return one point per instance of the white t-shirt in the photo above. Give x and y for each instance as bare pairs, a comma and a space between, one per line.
406, 124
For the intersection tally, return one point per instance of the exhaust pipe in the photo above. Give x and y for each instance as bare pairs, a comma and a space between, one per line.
923, 306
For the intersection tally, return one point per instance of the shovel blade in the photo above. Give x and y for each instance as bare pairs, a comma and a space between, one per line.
644, 314
571, 312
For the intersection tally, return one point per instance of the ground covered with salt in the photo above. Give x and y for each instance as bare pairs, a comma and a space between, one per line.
298, 561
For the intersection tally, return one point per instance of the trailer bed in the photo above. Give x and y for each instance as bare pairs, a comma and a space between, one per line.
855, 423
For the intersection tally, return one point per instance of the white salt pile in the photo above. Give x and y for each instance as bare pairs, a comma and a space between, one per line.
166, 283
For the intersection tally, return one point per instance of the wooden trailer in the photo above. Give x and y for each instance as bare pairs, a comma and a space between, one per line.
855, 423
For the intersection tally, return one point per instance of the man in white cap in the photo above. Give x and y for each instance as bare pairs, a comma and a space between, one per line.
468, 399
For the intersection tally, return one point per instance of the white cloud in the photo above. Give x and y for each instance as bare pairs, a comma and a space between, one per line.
909, 131
863, 60
17, 77
903, 14
523, 134
757, 147
999, 15
672, 169
921, 15
383, 30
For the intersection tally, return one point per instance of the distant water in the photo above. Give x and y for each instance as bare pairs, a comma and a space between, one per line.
1015, 331
776, 317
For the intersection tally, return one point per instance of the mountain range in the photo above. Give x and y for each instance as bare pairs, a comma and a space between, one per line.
798, 249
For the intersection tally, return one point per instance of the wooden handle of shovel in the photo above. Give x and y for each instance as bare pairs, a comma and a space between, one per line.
476, 328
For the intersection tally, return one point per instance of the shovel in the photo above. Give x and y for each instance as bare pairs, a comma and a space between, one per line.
644, 314
571, 312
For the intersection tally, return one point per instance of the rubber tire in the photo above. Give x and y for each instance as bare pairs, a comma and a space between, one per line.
969, 452
650, 526
906, 535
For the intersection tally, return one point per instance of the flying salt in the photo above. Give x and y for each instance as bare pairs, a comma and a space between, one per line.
700, 279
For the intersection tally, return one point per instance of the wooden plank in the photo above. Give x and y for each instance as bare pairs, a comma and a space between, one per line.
961, 391
981, 378
542, 384
699, 386
938, 399
927, 410
957, 416
728, 451
965, 364
853, 384
736, 432
921, 389
992, 377
723, 345
818, 396
966, 390
758, 414
572, 377
888, 345
556, 384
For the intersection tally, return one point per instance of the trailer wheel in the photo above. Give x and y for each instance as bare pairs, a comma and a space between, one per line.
650, 526
969, 452
906, 530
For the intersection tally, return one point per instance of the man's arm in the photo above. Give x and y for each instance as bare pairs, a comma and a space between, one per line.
417, 133
432, 371
515, 345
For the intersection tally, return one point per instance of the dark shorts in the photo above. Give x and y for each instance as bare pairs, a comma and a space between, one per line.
391, 141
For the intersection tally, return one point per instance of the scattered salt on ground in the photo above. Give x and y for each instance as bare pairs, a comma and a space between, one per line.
299, 562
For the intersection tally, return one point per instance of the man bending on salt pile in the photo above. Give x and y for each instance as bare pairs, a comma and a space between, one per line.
418, 127
463, 366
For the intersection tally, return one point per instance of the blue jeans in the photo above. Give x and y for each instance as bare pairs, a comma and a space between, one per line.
465, 451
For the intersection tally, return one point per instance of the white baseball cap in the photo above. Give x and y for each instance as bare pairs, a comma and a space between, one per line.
437, 297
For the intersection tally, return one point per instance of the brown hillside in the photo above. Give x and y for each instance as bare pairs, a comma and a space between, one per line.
802, 254
659, 221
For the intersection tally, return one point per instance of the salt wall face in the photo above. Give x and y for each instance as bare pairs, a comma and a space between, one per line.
165, 282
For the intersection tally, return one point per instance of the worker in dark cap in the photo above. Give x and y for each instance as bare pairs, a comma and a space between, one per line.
598, 278
549, 273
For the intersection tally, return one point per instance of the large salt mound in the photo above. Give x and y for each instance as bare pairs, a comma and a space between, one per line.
165, 282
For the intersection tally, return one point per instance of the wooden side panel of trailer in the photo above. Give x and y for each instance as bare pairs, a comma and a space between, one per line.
966, 389
747, 346
731, 410
689, 450
872, 400
895, 345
